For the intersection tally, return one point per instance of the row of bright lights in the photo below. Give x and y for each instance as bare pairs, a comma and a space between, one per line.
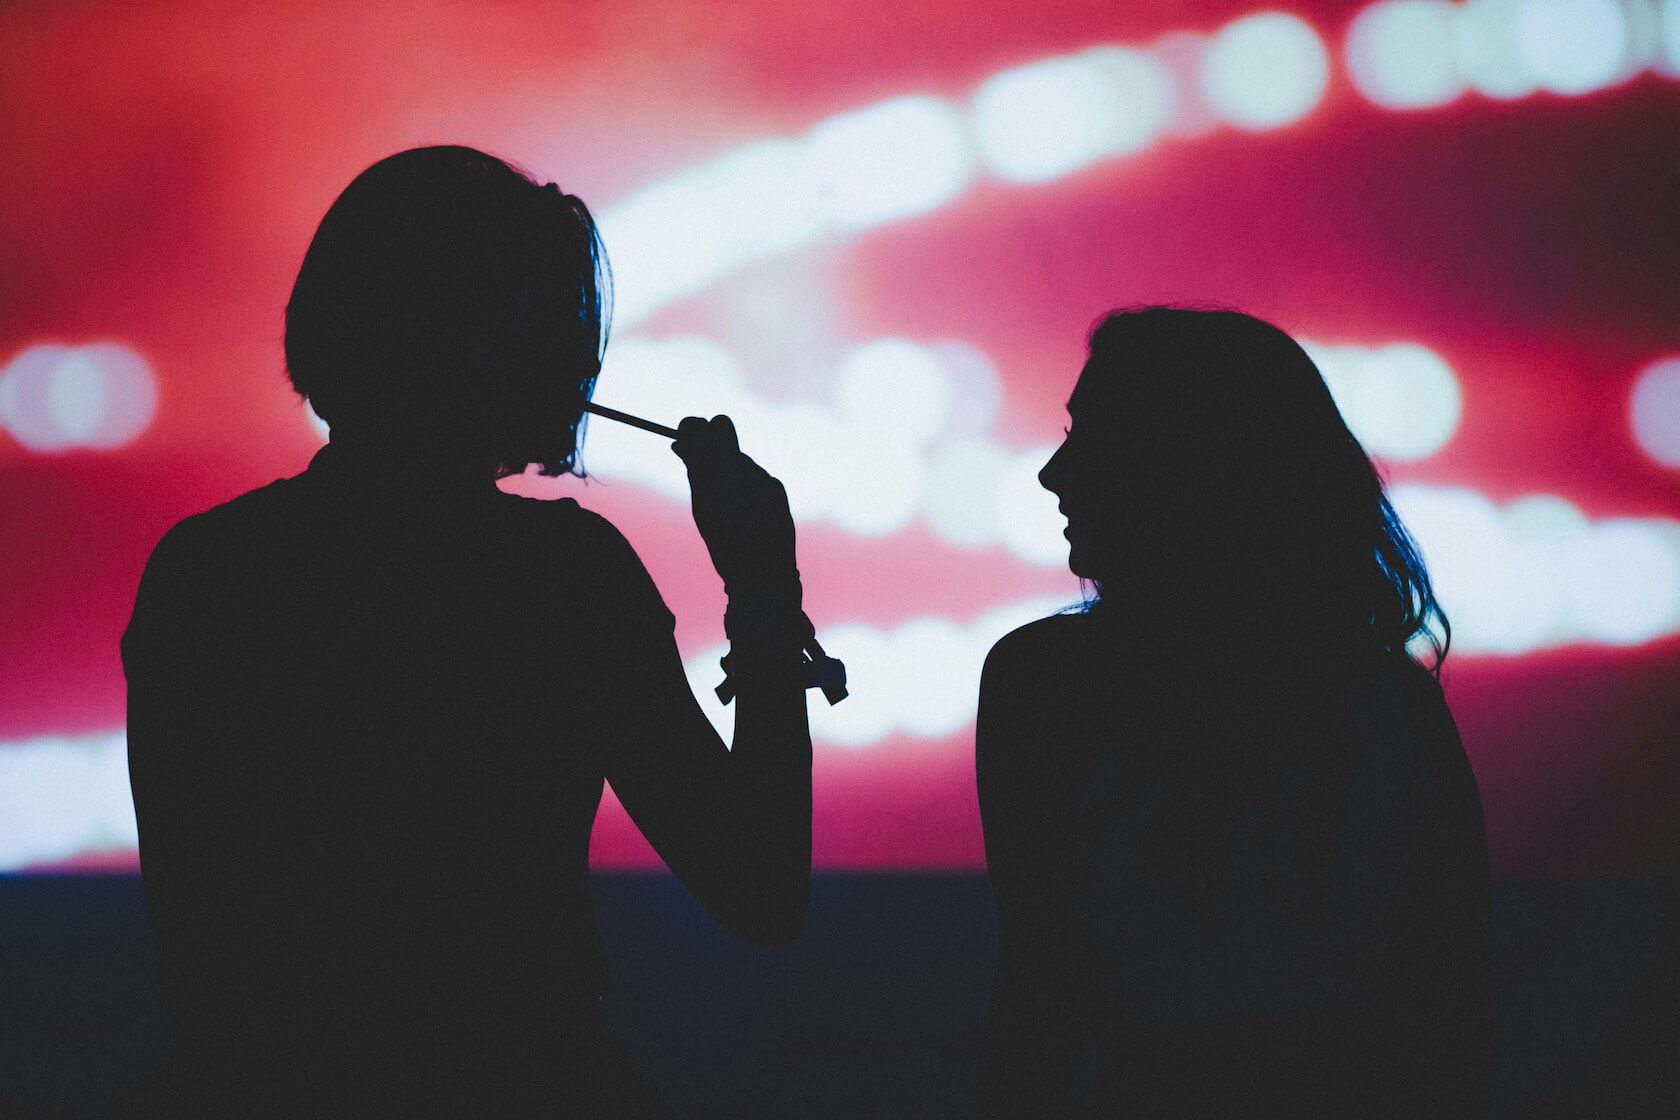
906, 433
1417, 54
57, 398
1538, 572
1035, 123
914, 154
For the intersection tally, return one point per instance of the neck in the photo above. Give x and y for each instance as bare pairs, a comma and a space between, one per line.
411, 464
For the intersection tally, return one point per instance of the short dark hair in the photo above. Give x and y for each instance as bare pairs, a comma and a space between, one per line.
419, 308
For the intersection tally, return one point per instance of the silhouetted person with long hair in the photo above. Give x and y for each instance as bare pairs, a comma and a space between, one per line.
371, 707
1236, 848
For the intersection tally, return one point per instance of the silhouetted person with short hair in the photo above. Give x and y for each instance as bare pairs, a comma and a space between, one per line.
371, 707
1236, 848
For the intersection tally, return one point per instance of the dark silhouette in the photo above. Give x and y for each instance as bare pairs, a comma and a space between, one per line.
1235, 845
371, 707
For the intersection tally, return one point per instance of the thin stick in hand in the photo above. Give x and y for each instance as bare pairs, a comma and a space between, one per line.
626, 418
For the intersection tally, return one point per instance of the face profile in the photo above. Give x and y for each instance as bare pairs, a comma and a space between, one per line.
1076, 475
1209, 481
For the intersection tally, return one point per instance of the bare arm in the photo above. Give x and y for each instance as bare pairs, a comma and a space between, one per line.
735, 825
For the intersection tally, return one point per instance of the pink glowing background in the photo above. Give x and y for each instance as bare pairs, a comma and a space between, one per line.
166, 165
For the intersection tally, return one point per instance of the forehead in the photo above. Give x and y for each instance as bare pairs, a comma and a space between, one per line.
1094, 389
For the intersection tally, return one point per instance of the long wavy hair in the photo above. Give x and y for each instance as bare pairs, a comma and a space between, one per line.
1251, 482
449, 299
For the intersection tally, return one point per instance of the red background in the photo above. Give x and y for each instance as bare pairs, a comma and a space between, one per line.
167, 164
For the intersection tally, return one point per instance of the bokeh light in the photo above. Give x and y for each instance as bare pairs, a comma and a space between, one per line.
56, 398
1573, 46
1402, 54
1042, 121
1489, 56
1654, 411
1265, 71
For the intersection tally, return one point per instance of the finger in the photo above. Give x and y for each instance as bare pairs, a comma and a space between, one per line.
693, 437
723, 430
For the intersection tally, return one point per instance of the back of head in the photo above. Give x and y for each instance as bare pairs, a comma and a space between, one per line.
1238, 494
449, 304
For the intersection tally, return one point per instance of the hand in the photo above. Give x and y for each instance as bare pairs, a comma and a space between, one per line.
740, 509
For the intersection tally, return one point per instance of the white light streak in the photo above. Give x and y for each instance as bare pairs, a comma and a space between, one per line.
60, 796
884, 451
1048, 119
1538, 573
58, 398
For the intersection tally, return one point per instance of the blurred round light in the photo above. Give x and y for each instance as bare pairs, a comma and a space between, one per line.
1045, 120
1264, 71
664, 244
60, 796
761, 203
1644, 37
1400, 54
1546, 521
55, 398
1408, 402
1039, 122
877, 484
1401, 401
1654, 411
1624, 582
1541, 530
894, 388
963, 476
1140, 96
891, 160
810, 451
1472, 565
1572, 46
1485, 40
976, 388
938, 675
1180, 52
1030, 522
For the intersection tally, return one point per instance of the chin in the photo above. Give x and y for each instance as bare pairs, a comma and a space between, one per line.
1079, 563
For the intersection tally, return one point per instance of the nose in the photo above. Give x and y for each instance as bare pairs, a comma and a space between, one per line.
1053, 475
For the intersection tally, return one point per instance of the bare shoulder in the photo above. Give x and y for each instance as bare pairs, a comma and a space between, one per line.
1046, 648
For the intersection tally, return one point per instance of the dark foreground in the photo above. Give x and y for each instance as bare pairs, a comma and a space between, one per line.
874, 1013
